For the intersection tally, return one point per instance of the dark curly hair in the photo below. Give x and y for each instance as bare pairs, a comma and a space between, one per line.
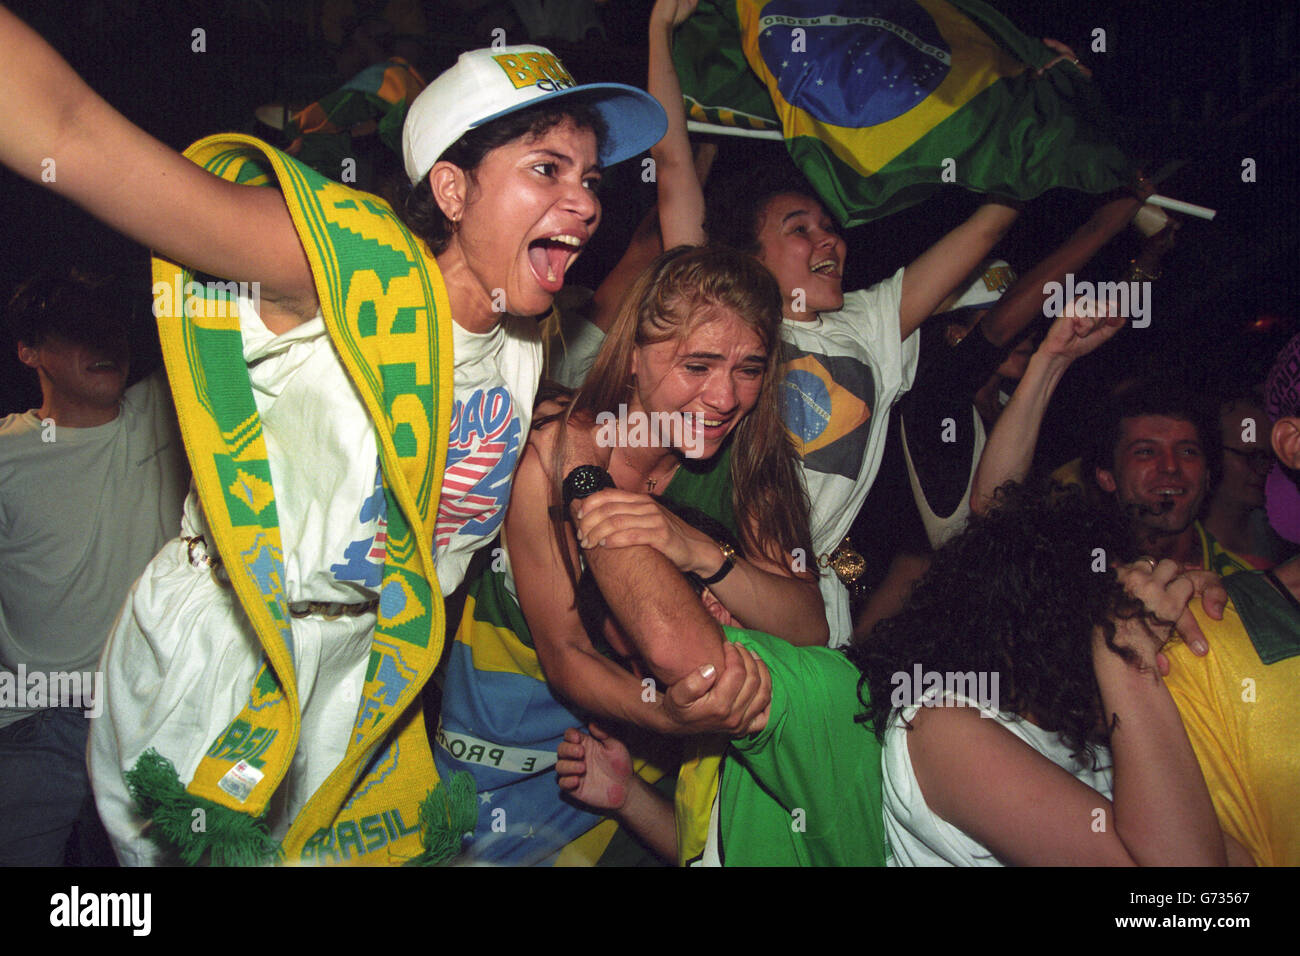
1016, 594
421, 212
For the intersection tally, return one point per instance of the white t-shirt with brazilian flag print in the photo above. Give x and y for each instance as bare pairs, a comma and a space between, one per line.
842, 373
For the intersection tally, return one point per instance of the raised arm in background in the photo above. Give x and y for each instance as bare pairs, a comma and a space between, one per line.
140, 187
935, 273
680, 189
646, 243
1010, 448
1023, 302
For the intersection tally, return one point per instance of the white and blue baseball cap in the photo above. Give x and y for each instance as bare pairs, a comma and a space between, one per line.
487, 84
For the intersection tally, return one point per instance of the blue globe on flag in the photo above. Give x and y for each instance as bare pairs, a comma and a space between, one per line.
846, 69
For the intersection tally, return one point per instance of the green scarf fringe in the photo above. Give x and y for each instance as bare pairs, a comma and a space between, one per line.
231, 838
195, 826
448, 813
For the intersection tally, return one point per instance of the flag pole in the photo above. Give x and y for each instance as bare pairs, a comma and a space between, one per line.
1177, 205
715, 129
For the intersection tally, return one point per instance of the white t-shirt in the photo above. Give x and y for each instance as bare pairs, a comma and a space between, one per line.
916, 835
182, 656
574, 351
843, 372
333, 520
82, 510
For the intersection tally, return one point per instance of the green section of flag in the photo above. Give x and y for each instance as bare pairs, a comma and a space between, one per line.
1015, 139
716, 82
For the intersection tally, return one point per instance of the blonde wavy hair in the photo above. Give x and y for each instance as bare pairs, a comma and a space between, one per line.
683, 289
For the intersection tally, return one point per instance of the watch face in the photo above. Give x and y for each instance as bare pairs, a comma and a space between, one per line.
585, 480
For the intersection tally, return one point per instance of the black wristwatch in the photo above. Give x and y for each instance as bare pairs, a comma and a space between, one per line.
728, 562
583, 481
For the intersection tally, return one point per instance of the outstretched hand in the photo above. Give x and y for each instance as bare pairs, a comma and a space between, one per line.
1063, 52
596, 769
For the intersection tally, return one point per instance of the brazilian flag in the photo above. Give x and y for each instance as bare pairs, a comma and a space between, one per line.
882, 102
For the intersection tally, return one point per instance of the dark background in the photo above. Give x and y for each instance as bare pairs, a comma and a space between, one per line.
1206, 83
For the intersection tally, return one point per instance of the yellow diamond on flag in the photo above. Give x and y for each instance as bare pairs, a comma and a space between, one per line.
251, 490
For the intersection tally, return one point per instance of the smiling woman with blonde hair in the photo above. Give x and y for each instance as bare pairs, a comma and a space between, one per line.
697, 338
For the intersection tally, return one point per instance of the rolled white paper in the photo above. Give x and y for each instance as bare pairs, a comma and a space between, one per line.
1177, 205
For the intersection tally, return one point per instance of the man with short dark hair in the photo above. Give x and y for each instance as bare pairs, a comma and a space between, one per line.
1157, 453
91, 485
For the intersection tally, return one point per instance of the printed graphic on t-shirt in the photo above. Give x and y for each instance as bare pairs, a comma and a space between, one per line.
827, 407
363, 559
481, 457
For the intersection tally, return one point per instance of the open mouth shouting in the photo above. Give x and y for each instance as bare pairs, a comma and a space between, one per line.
551, 256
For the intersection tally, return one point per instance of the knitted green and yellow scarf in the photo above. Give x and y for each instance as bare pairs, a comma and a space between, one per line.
389, 319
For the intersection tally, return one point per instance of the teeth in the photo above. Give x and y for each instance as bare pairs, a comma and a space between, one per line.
826, 265
567, 240
712, 423
550, 274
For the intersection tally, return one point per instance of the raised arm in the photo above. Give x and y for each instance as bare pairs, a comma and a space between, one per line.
983, 779
641, 250
681, 196
1024, 300
935, 273
135, 184
1010, 449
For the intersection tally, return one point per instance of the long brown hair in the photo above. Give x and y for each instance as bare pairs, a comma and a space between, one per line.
680, 291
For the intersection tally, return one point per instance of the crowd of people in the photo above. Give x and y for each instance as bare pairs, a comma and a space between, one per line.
415, 556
